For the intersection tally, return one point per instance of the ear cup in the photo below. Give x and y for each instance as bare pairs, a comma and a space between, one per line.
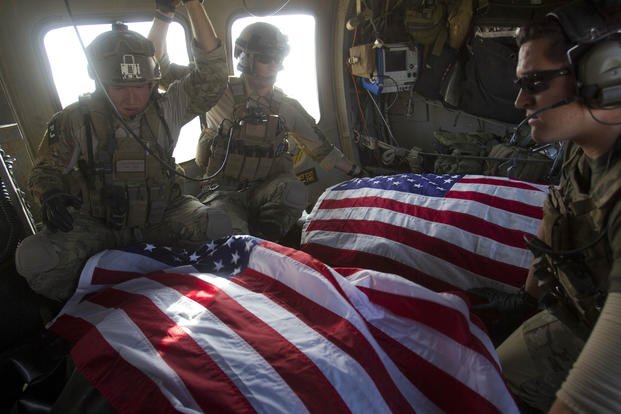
597, 65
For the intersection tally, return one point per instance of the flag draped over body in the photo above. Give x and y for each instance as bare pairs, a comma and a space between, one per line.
445, 232
244, 325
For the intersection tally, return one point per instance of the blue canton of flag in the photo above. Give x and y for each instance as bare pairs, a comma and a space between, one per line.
223, 257
426, 184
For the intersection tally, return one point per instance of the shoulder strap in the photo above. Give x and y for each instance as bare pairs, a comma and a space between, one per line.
238, 90
155, 119
84, 101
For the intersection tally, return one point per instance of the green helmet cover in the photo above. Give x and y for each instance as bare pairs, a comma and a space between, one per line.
121, 57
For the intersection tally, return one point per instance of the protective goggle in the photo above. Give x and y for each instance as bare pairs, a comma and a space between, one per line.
536, 82
267, 59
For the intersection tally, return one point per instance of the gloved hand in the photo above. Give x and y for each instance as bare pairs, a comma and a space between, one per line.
166, 6
54, 210
520, 302
509, 311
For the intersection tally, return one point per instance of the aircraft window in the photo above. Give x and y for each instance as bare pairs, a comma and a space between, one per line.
298, 79
71, 78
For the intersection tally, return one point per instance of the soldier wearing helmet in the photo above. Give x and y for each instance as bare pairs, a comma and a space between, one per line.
245, 148
104, 173
263, 42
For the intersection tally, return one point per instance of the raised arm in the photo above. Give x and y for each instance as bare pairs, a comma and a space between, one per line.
202, 32
202, 28
164, 12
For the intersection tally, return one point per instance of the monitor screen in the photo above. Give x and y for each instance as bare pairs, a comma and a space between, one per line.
395, 60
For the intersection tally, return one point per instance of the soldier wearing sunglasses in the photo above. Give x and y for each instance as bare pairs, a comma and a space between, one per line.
245, 151
565, 358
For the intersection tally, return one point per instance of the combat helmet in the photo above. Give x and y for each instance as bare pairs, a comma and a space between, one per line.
122, 57
260, 40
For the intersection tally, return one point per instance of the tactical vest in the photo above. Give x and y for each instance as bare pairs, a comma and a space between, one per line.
512, 161
473, 147
257, 140
125, 185
574, 224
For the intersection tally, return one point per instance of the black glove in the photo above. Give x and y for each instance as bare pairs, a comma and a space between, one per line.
166, 6
54, 210
520, 302
509, 310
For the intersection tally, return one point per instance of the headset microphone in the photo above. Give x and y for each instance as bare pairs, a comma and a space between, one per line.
515, 135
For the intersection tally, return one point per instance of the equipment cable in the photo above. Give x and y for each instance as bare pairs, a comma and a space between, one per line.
379, 111
599, 121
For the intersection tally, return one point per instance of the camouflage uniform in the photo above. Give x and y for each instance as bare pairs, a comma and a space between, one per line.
583, 214
256, 184
155, 211
245, 150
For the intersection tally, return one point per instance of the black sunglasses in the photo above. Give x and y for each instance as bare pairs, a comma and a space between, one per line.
267, 59
536, 82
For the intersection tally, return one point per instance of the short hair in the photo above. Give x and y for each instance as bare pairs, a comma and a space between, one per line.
546, 28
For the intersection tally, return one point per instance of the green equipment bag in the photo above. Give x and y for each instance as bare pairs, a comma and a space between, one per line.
426, 23
511, 161
464, 152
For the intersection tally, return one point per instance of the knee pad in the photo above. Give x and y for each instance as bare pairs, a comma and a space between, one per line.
35, 255
36, 259
218, 224
295, 194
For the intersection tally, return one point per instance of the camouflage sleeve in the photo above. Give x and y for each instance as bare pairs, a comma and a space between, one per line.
57, 155
312, 141
172, 71
196, 92
206, 83
594, 382
598, 368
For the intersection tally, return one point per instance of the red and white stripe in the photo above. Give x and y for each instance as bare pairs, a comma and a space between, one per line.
288, 334
472, 237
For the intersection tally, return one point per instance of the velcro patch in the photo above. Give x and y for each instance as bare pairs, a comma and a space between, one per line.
308, 176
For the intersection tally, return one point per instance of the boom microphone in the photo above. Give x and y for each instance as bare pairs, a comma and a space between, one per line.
515, 136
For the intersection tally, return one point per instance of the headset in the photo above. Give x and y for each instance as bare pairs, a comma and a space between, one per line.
595, 58
596, 63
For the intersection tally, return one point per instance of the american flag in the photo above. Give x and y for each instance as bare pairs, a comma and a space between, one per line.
245, 325
445, 232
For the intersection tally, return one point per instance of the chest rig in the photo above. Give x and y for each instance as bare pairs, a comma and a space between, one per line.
125, 185
574, 269
257, 139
